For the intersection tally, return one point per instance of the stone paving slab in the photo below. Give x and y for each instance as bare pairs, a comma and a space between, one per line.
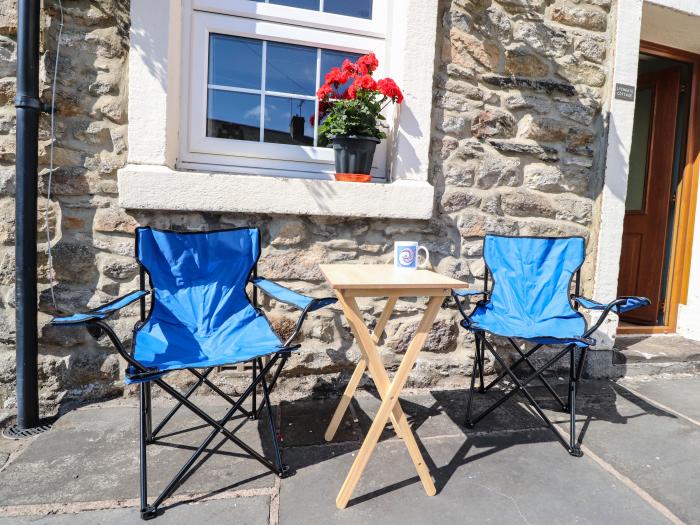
443, 413
304, 423
518, 477
654, 448
242, 511
681, 394
92, 455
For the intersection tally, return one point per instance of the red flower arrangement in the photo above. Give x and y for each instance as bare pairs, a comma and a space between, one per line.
356, 110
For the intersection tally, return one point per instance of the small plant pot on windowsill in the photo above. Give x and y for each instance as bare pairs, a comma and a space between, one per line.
353, 157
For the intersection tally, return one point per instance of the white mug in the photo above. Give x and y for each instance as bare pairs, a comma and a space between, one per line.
406, 255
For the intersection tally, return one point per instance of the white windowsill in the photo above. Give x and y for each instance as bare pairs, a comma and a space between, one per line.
152, 187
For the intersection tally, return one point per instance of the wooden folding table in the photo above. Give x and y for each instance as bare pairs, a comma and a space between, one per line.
363, 280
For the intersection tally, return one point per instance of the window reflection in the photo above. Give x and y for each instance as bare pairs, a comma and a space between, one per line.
290, 69
355, 8
331, 59
235, 61
233, 115
288, 121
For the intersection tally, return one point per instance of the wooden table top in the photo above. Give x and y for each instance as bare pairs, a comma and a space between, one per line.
385, 277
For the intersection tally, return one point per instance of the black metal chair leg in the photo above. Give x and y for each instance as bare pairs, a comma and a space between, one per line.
149, 413
147, 512
574, 448
254, 397
282, 469
480, 358
468, 422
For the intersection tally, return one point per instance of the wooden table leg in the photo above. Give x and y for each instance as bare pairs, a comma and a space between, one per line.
357, 376
389, 392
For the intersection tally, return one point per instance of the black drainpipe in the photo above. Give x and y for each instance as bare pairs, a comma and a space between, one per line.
28, 109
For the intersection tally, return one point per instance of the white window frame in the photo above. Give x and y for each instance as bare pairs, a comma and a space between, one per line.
376, 26
198, 150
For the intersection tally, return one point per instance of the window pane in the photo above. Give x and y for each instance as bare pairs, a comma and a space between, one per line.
356, 8
331, 59
233, 115
235, 61
290, 69
287, 121
303, 4
639, 151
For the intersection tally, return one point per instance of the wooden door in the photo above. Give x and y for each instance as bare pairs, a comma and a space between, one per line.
649, 192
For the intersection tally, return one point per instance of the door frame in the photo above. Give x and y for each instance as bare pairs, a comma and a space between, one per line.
686, 199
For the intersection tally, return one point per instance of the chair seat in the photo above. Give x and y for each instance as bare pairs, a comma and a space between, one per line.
543, 330
164, 345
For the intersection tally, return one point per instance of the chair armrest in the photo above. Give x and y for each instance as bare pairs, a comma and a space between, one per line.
465, 292
101, 312
619, 305
290, 297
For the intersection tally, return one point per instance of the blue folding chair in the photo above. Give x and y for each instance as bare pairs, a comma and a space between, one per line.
200, 317
530, 300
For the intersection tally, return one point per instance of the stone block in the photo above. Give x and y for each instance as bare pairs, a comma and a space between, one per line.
519, 147
493, 123
544, 86
483, 52
519, 62
442, 337
522, 6
527, 204
8, 56
542, 129
581, 113
537, 103
550, 179
582, 16
287, 232
458, 200
8, 17
578, 72
74, 262
498, 170
547, 40
591, 48
110, 220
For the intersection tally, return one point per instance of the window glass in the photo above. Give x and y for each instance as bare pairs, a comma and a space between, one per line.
232, 115
639, 152
290, 69
288, 121
331, 59
235, 61
286, 94
355, 8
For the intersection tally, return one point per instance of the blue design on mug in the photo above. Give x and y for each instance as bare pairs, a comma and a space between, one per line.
406, 256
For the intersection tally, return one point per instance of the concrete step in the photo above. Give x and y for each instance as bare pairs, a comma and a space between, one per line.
636, 355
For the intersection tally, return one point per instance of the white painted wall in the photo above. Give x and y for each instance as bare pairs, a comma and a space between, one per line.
621, 118
154, 81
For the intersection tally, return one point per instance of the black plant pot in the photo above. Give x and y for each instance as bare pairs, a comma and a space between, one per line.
353, 156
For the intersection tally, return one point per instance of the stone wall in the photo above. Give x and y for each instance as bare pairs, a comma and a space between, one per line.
517, 149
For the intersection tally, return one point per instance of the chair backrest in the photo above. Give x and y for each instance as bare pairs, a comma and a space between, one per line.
199, 278
532, 278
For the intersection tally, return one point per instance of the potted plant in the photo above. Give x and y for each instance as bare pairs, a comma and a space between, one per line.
351, 120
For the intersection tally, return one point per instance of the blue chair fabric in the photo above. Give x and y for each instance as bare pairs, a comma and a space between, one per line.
201, 315
530, 294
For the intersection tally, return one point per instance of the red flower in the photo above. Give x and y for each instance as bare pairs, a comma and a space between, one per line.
337, 77
367, 64
324, 92
365, 82
312, 120
349, 68
388, 88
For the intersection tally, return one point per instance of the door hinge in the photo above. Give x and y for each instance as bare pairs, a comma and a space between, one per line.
684, 87
662, 308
